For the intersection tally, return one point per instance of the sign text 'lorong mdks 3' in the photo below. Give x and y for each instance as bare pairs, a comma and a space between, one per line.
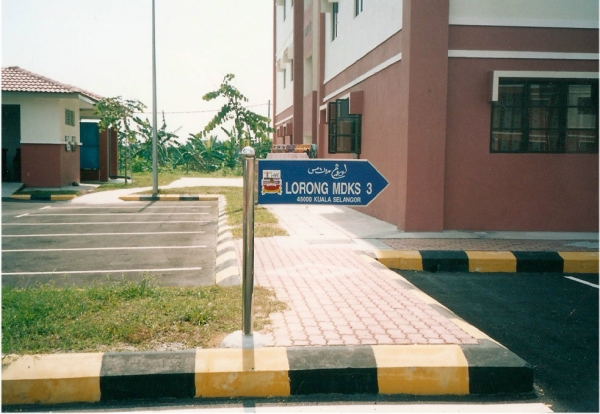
339, 182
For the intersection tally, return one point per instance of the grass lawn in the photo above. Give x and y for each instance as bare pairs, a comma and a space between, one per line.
125, 316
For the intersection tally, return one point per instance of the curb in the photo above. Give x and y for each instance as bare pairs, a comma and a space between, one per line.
265, 372
170, 197
35, 197
486, 261
227, 266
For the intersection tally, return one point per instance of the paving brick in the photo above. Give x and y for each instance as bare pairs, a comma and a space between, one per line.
340, 293
331, 335
350, 340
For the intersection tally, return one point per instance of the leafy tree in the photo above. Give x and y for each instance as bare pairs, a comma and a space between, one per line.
118, 113
246, 128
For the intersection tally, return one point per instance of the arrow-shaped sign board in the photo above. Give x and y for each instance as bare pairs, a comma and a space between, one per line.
338, 182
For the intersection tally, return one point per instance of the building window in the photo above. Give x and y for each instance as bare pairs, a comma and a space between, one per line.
292, 71
549, 116
284, 10
334, 21
358, 7
284, 78
69, 117
344, 128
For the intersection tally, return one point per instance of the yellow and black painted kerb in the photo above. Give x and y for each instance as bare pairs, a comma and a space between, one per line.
170, 197
487, 368
41, 197
487, 261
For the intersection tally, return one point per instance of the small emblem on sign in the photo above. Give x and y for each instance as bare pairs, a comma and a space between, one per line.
271, 182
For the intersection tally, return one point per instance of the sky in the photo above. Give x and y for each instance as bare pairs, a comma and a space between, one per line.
105, 47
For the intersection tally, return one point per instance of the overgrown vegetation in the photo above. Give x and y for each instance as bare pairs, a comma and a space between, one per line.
201, 152
125, 315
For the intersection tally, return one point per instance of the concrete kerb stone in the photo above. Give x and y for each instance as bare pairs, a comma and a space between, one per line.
169, 197
486, 261
265, 372
40, 197
227, 263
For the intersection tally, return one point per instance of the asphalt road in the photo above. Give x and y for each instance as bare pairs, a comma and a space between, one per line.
75, 244
549, 320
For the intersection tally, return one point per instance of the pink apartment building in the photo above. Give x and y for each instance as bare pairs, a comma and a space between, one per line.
482, 114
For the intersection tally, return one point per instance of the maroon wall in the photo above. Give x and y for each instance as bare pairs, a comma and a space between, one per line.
114, 153
503, 192
425, 62
40, 165
48, 165
103, 155
69, 170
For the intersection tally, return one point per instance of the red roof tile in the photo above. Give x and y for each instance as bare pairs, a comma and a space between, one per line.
15, 79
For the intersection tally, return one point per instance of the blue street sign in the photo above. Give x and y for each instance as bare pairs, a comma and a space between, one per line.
338, 182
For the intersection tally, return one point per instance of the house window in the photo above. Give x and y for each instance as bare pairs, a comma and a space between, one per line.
334, 21
549, 116
69, 117
284, 10
358, 7
344, 128
284, 78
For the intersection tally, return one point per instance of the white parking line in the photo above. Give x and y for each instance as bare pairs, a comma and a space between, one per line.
103, 248
22, 215
582, 281
116, 214
139, 207
71, 272
104, 222
102, 234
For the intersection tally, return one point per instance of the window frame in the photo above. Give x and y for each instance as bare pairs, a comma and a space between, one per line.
338, 113
334, 20
69, 117
557, 108
358, 7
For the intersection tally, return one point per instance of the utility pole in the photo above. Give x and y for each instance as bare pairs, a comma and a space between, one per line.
154, 133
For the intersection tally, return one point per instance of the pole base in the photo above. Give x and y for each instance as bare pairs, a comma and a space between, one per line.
241, 341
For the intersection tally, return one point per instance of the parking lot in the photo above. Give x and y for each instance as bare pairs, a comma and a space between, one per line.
78, 245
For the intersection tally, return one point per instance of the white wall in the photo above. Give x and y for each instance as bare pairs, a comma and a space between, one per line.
358, 35
527, 13
284, 38
43, 118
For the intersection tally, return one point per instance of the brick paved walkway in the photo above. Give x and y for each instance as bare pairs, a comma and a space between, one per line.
337, 297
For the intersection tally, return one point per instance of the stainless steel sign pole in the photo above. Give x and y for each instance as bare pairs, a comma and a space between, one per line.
248, 157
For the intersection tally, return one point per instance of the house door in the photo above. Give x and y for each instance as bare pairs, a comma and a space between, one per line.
89, 158
11, 143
